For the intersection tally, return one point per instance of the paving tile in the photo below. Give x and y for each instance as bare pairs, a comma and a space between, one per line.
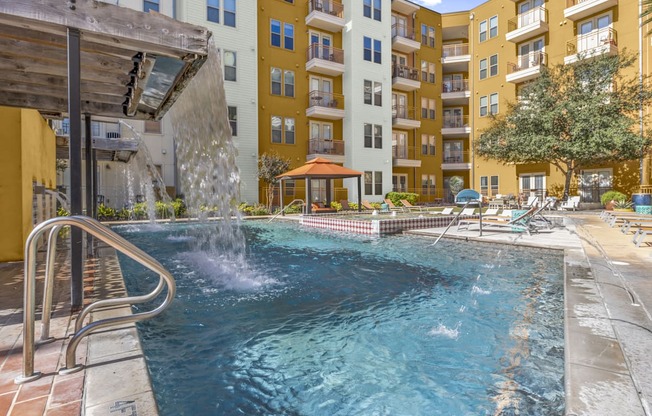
33, 389
31, 407
113, 380
143, 404
5, 402
7, 381
67, 389
69, 409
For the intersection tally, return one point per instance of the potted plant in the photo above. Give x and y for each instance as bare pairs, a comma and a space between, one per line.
623, 205
609, 199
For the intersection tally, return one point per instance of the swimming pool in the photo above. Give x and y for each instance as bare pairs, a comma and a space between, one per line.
321, 323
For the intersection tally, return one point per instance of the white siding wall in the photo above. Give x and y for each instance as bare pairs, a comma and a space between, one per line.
242, 93
357, 113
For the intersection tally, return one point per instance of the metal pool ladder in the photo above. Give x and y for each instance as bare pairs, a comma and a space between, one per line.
102, 233
474, 201
286, 207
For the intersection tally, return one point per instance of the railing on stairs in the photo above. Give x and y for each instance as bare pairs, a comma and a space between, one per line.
108, 236
282, 212
471, 201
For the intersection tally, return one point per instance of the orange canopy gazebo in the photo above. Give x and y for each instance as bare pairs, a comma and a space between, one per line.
320, 168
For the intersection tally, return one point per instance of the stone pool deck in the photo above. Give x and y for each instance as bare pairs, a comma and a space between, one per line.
608, 331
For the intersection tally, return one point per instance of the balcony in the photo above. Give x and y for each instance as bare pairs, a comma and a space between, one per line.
405, 78
579, 9
326, 105
456, 57
592, 44
403, 39
456, 92
459, 160
325, 60
330, 149
325, 14
404, 7
527, 67
404, 117
527, 25
403, 157
455, 126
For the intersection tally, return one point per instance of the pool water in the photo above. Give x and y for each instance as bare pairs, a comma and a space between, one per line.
315, 322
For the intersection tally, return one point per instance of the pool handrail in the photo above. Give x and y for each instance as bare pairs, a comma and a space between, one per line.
470, 201
102, 233
303, 203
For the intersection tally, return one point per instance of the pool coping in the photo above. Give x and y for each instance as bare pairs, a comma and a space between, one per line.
597, 373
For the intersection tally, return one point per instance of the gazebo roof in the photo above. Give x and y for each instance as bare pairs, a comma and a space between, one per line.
132, 63
320, 168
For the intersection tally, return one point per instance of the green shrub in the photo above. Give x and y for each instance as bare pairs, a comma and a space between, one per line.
257, 209
122, 215
105, 213
179, 208
139, 211
396, 197
623, 204
294, 209
336, 205
612, 196
62, 212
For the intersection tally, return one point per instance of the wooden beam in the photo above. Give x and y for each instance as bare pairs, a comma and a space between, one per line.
35, 80
108, 24
56, 91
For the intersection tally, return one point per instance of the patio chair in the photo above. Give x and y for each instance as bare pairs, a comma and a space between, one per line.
468, 211
320, 208
445, 211
345, 205
490, 211
573, 202
531, 202
409, 206
522, 223
367, 205
391, 205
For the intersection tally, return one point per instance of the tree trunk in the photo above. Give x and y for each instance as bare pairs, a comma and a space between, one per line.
567, 182
270, 197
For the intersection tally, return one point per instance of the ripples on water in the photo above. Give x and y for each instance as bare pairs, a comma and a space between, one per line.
319, 323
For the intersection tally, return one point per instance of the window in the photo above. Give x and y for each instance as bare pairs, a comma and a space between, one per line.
424, 71
373, 136
150, 5
289, 83
483, 106
532, 182
367, 55
424, 107
483, 31
428, 144
428, 72
368, 182
229, 66
484, 185
233, 120
494, 185
275, 28
493, 65
428, 184
95, 129
431, 36
378, 182
399, 182
483, 68
373, 93
367, 9
276, 81
493, 103
427, 108
288, 34
431, 108
229, 13
213, 11
289, 186
153, 127
493, 27
424, 34
282, 132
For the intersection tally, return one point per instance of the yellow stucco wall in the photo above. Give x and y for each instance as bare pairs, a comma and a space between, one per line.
28, 156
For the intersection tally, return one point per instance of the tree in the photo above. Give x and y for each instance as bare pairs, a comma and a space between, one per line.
572, 116
647, 13
270, 165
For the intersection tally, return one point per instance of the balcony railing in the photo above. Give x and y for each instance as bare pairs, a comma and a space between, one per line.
592, 41
327, 53
455, 85
403, 152
457, 49
571, 3
326, 6
538, 14
456, 157
402, 30
403, 111
455, 121
404, 71
326, 147
530, 60
325, 99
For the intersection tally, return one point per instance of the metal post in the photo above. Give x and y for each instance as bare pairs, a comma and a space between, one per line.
74, 113
95, 173
280, 192
359, 193
308, 195
88, 147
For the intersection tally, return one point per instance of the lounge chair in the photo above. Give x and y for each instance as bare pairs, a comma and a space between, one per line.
522, 223
445, 211
345, 205
367, 205
391, 205
409, 206
490, 211
573, 203
531, 202
319, 208
467, 212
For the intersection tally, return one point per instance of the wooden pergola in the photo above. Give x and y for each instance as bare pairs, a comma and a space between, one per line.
91, 58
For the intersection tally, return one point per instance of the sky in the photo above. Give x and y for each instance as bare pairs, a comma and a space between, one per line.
446, 6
